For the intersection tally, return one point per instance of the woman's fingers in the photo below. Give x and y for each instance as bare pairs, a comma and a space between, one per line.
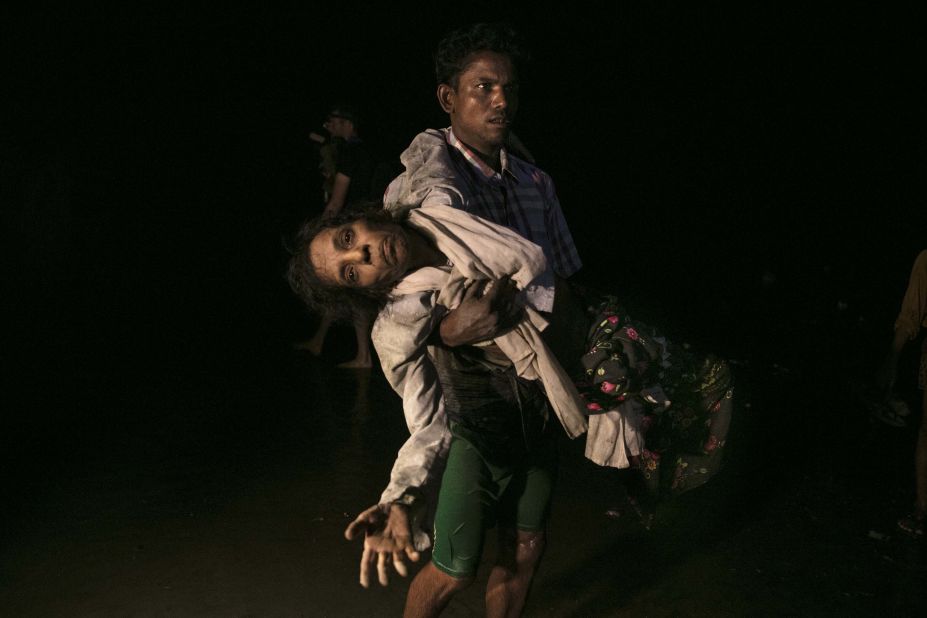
365, 563
353, 529
411, 553
382, 573
363, 522
399, 563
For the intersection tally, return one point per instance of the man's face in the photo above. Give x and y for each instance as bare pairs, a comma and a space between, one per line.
338, 126
483, 105
360, 254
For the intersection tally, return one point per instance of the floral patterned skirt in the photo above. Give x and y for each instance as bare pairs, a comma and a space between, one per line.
687, 398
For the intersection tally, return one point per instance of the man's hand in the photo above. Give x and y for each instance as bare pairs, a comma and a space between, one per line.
481, 316
387, 534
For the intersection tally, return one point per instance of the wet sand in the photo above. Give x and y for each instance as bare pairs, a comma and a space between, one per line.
209, 479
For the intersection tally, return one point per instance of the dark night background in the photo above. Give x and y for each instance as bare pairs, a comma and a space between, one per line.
152, 161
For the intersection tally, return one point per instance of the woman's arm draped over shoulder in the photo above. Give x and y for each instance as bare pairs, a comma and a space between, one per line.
400, 336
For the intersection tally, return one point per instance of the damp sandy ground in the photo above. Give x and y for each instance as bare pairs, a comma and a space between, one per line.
209, 479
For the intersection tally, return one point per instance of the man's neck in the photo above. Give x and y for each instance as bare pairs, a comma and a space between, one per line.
492, 160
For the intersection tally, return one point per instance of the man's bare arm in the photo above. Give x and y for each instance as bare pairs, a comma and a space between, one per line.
481, 316
339, 194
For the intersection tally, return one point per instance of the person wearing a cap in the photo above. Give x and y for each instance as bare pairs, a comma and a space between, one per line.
353, 166
350, 188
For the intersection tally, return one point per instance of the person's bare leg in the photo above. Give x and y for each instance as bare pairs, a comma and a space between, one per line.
431, 591
314, 344
362, 358
913, 524
507, 588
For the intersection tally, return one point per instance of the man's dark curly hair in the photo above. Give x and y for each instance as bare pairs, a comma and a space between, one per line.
338, 301
457, 46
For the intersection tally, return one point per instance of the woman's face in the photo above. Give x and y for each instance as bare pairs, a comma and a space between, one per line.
360, 254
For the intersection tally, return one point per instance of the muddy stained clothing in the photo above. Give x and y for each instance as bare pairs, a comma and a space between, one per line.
913, 314
353, 159
502, 459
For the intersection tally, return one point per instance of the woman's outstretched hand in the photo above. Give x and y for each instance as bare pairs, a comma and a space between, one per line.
387, 536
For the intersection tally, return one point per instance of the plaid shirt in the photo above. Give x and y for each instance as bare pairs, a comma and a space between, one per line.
520, 197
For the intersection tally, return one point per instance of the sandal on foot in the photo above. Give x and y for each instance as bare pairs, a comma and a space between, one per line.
912, 525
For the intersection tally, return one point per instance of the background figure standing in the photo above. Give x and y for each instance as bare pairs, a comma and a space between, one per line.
347, 169
328, 158
911, 319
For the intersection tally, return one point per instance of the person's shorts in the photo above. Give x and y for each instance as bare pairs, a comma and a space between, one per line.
476, 495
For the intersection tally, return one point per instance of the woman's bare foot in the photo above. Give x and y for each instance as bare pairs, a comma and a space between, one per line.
312, 346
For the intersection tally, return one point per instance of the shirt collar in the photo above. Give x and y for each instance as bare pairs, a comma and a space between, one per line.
477, 162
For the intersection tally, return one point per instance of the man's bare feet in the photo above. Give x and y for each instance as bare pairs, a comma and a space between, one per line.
312, 346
